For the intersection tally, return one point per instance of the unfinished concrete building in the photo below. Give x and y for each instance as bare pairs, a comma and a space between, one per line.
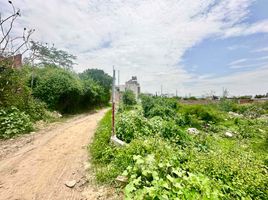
132, 85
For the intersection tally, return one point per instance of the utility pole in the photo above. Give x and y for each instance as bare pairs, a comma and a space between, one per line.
161, 90
113, 138
118, 76
113, 103
176, 93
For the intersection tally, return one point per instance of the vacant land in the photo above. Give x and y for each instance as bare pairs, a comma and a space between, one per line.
37, 166
177, 151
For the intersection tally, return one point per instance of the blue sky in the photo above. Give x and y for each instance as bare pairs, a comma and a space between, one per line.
193, 46
224, 56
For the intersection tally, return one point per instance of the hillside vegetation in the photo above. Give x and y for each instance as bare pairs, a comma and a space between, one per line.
179, 151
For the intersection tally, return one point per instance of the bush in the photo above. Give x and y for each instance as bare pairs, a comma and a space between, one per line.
129, 98
236, 172
152, 179
93, 94
228, 105
102, 79
120, 158
205, 113
174, 133
131, 124
13, 122
59, 88
159, 106
37, 110
156, 124
14, 91
252, 110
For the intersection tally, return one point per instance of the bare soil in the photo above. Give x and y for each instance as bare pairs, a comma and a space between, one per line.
37, 166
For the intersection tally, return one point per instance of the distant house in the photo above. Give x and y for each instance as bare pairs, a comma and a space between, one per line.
132, 85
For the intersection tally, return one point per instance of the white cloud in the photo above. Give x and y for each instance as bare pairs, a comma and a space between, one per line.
247, 29
235, 47
239, 83
237, 66
238, 61
260, 50
246, 62
143, 38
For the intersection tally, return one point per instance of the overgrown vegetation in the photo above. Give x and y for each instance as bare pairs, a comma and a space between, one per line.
53, 88
13, 122
129, 98
165, 160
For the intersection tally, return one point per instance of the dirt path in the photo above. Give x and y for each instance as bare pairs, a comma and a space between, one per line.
39, 169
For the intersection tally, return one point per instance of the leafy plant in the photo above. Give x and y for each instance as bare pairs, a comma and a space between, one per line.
131, 124
204, 113
174, 133
13, 122
102, 79
129, 98
235, 171
59, 88
156, 106
152, 179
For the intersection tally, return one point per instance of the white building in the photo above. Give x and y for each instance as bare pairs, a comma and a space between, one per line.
132, 85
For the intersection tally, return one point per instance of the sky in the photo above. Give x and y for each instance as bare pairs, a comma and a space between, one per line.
196, 47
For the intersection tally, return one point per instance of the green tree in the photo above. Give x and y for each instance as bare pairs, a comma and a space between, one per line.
129, 98
60, 89
49, 56
93, 94
103, 79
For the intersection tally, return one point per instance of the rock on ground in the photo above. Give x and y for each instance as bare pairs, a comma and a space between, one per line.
193, 131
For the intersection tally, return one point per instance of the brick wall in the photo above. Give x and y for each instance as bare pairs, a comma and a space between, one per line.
16, 61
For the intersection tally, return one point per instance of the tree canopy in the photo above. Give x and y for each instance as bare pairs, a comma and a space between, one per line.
100, 76
50, 56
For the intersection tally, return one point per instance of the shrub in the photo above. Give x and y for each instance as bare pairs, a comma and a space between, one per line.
129, 98
162, 111
121, 158
36, 110
152, 179
131, 124
205, 113
156, 124
102, 79
147, 104
159, 106
92, 94
252, 110
59, 88
236, 172
228, 105
174, 133
13, 122
14, 91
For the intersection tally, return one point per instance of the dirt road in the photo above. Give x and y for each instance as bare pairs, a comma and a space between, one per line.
40, 167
